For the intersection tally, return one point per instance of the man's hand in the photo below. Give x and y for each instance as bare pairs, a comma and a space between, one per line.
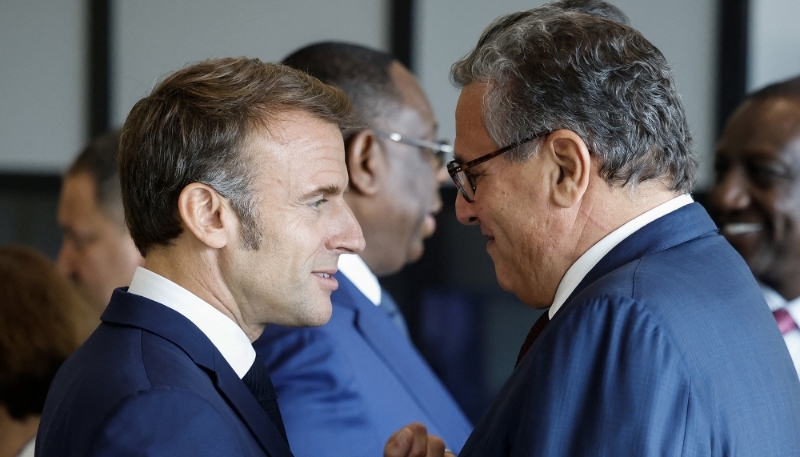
413, 441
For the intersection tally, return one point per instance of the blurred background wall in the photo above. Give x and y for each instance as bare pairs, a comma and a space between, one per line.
73, 68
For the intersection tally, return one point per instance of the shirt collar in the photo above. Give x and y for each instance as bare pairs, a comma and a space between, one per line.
589, 259
229, 339
357, 271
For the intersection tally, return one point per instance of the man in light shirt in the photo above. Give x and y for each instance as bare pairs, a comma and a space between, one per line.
757, 197
232, 174
359, 378
572, 156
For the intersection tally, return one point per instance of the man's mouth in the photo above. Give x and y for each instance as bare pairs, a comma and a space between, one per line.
741, 228
323, 275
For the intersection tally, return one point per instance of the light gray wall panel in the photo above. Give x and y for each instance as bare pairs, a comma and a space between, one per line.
42, 50
774, 42
154, 37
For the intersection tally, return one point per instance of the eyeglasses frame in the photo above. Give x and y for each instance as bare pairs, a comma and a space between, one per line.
454, 168
439, 148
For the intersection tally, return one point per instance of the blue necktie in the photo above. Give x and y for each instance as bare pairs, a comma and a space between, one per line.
389, 306
258, 381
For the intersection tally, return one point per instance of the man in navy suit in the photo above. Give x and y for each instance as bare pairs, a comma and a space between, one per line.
345, 387
572, 156
232, 175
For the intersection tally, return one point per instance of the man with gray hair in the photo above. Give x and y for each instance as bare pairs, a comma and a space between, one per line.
572, 155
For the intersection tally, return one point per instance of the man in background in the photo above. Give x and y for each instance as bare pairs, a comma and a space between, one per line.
756, 197
345, 387
97, 252
232, 177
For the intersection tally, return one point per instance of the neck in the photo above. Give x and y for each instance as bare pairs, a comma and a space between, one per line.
606, 209
14, 434
200, 275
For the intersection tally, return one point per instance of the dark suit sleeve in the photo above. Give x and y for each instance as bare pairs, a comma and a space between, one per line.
320, 395
609, 381
165, 422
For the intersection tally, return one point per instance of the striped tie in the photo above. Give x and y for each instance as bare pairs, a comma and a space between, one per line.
785, 322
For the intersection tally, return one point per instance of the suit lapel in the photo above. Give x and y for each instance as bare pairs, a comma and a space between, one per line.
391, 346
133, 310
678, 227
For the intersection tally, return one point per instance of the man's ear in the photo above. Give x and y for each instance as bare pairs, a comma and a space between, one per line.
206, 214
365, 163
573, 166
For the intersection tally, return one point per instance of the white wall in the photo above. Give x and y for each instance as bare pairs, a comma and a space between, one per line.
684, 30
43, 90
153, 37
774, 42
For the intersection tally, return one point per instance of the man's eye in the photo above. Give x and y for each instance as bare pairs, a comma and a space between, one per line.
317, 203
768, 174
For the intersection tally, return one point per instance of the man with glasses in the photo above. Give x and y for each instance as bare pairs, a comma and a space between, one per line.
345, 387
656, 340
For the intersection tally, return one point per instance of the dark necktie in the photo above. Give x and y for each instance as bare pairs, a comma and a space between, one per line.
258, 381
784, 320
389, 306
532, 335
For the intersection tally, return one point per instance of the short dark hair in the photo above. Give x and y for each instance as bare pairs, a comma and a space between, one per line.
99, 160
549, 69
42, 321
362, 73
788, 88
193, 127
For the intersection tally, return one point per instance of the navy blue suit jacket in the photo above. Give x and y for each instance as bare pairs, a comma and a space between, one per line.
666, 348
149, 382
345, 387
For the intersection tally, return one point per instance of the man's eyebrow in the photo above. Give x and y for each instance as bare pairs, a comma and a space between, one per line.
331, 189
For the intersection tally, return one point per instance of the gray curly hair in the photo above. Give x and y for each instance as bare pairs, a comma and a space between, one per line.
549, 69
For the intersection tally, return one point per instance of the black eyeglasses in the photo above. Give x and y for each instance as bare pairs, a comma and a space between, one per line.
465, 182
435, 151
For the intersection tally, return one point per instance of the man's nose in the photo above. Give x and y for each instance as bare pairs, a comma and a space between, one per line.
465, 211
730, 193
64, 261
350, 237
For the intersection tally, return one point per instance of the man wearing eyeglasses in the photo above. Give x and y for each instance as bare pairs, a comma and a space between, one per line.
572, 156
345, 387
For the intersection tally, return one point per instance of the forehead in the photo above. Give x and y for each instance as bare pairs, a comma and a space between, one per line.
298, 151
472, 138
768, 126
77, 199
415, 110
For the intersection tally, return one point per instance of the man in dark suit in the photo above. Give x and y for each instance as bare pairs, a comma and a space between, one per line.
232, 174
756, 197
345, 387
573, 157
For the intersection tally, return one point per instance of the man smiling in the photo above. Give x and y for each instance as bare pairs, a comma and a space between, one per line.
233, 177
573, 157
757, 197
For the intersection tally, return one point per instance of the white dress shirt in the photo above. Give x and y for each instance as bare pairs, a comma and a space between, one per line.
357, 271
28, 449
229, 339
589, 259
